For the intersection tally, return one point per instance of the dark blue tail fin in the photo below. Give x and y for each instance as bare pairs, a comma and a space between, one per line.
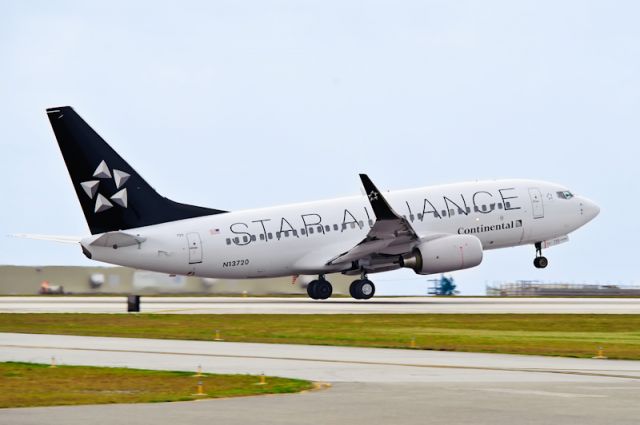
112, 194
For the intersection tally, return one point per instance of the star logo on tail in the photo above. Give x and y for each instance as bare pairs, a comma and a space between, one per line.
92, 187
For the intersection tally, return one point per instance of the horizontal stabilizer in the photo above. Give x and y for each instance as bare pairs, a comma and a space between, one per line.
53, 238
117, 239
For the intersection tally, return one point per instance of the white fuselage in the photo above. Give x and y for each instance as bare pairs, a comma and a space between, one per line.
302, 238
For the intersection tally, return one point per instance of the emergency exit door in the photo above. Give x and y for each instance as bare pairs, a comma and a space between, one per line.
536, 202
195, 248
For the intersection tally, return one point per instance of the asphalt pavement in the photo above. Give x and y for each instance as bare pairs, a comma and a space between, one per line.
368, 385
296, 305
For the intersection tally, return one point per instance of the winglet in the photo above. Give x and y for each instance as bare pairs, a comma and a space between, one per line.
381, 207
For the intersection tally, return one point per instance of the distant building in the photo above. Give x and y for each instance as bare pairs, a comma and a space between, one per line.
29, 280
533, 288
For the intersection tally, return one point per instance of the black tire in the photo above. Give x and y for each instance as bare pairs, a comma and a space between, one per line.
362, 289
323, 289
540, 262
367, 289
311, 289
354, 289
543, 262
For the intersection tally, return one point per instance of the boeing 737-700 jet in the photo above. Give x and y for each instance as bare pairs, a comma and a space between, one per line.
429, 229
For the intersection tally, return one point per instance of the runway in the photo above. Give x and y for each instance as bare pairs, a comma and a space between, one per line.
284, 305
377, 385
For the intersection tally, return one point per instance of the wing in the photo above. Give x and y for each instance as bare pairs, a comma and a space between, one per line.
391, 234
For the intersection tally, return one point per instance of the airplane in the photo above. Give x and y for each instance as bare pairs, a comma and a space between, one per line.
430, 230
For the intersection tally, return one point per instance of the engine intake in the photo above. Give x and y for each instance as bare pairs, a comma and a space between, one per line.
449, 253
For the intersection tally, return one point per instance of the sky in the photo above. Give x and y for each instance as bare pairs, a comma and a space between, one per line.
246, 104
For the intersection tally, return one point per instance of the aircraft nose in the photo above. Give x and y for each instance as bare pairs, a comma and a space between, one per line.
588, 209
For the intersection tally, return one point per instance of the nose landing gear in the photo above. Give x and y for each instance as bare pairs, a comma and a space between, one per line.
540, 262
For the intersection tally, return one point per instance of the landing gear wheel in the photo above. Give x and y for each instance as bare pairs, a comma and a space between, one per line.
319, 289
311, 289
323, 289
540, 262
362, 289
354, 289
367, 289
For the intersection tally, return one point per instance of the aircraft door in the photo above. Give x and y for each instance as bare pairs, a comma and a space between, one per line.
536, 202
195, 248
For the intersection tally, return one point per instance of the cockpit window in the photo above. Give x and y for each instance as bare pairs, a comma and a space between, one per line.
565, 194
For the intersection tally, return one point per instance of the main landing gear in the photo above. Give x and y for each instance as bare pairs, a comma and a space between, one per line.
319, 289
540, 262
362, 289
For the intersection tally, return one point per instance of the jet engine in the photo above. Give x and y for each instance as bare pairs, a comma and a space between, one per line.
449, 253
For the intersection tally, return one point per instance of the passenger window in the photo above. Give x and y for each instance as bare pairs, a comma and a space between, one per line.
286, 233
303, 232
460, 211
507, 205
353, 225
335, 227
319, 229
468, 210
327, 228
361, 224
245, 239
228, 241
475, 208
270, 235
311, 230
499, 206
370, 223
278, 235
261, 236
253, 238
344, 226
484, 207
411, 217
295, 233
451, 212
236, 240
420, 216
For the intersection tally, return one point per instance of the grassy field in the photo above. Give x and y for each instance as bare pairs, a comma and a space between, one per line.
573, 335
29, 384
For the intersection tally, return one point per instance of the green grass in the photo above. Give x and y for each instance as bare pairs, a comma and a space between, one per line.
29, 384
573, 335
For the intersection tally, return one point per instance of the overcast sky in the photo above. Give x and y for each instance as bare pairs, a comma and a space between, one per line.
235, 105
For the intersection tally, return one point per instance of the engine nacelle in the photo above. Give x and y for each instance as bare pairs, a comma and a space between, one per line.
449, 253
